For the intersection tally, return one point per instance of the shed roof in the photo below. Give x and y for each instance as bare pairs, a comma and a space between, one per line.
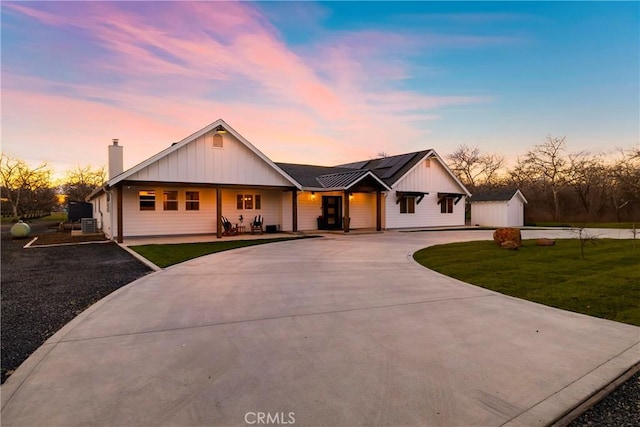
496, 195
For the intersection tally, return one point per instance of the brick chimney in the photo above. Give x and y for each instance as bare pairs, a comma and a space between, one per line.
115, 159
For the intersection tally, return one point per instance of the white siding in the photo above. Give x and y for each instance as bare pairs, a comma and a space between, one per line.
432, 179
309, 209
102, 214
199, 162
362, 210
203, 221
160, 222
515, 216
489, 214
270, 210
499, 213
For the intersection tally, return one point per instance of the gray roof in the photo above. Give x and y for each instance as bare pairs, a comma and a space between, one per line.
340, 180
388, 169
307, 175
494, 195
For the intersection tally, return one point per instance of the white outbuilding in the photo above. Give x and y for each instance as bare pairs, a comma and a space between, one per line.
498, 208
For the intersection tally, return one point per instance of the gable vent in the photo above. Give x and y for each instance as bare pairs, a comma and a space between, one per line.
217, 141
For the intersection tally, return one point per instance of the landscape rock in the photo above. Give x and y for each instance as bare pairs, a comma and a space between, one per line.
510, 244
502, 235
545, 242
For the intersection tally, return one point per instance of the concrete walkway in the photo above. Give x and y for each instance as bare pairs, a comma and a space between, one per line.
340, 331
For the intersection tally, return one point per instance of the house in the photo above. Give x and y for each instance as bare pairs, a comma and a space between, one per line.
188, 187
498, 208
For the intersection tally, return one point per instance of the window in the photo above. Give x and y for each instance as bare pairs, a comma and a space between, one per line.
147, 200
192, 200
446, 205
408, 205
248, 201
170, 200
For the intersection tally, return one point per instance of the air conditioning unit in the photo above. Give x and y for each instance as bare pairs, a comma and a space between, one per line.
89, 225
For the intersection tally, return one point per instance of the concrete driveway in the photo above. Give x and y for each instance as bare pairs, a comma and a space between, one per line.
340, 331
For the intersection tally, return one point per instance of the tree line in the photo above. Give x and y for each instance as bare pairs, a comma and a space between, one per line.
560, 185
28, 191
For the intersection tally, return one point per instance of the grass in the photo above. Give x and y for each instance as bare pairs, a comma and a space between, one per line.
605, 284
55, 216
584, 224
170, 254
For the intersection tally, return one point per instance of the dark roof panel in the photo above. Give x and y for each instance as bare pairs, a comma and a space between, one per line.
356, 165
495, 195
340, 180
391, 169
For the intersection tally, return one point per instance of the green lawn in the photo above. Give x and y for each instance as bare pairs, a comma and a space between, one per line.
55, 216
605, 284
166, 255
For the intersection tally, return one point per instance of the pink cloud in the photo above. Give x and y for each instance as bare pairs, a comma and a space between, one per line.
182, 65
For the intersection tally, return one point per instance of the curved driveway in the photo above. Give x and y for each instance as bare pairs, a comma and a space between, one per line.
342, 330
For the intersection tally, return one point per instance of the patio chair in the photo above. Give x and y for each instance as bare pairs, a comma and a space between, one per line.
256, 224
229, 229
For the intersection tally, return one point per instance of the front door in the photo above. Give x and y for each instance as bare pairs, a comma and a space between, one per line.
332, 212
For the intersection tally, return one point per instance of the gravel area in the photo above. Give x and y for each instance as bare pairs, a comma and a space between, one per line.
44, 288
621, 408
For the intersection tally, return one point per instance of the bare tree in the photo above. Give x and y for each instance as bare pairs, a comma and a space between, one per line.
591, 180
545, 166
585, 236
80, 181
24, 187
628, 168
473, 168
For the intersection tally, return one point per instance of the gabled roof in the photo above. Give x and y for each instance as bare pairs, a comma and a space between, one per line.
328, 178
176, 146
393, 168
390, 169
496, 195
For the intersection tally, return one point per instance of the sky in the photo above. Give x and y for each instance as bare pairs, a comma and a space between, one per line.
317, 82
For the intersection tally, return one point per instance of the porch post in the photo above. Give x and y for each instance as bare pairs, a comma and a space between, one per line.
294, 209
218, 212
346, 220
378, 210
119, 214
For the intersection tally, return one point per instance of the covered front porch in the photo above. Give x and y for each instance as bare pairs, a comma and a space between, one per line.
352, 200
146, 209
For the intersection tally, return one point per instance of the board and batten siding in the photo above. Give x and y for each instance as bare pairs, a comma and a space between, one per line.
102, 212
203, 221
499, 213
489, 214
200, 162
431, 177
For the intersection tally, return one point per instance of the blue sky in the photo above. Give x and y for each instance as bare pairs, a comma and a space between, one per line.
325, 83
